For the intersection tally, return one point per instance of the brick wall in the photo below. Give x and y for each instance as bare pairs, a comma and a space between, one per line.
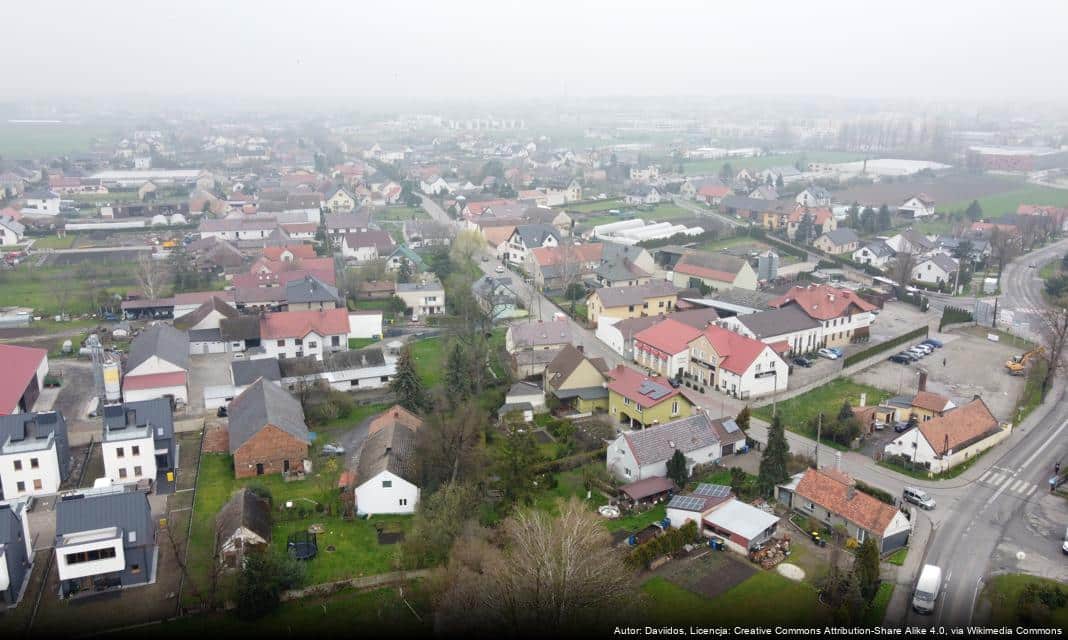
216, 439
270, 447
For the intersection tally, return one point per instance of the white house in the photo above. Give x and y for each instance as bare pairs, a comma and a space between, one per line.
434, 185
950, 439
918, 206
526, 397
643, 194
365, 246
16, 551
938, 268
527, 237
647, 174
340, 200
813, 197
365, 324
876, 253
34, 454
158, 365
385, 468
41, 203
637, 455
11, 231
735, 364
423, 298
138, 440
293, 334
353, 370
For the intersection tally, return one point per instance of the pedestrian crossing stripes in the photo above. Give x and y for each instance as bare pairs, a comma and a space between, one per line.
1012, 485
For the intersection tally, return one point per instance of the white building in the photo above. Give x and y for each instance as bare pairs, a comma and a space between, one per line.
365, 324
637, 455
11, 231
158, 365
385, 470
425, 298
34, 454
937, 268
917, 206
950, 439
41, 203
293, 334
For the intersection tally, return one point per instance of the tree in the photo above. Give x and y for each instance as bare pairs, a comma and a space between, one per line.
854, 216
901, 268
866, 566
555, 574
779, 184
726, 173
676, 469
465, 246
883, 220
516, 458
438, 521
262, 580
149, 276
457, 375
404, 274
773, 461
406, 383
1053, 329
974, 211
742, 419
867, 220
448, 449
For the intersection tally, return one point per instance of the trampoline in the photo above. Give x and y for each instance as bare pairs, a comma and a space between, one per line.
302, 545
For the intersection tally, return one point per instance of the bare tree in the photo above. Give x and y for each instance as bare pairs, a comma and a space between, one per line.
1053, 327
150, 276
208, 596
901, 268
465, 246
447, 448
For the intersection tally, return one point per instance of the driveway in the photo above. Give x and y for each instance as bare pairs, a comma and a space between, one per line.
206, 370
352, 440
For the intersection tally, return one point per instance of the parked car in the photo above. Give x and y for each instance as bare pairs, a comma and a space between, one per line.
937, 344
926, 348
900, 427
499, 269
919, 353
333, 449
827, 353
802, 361
918, 497
900, 358
221, 413
837, 351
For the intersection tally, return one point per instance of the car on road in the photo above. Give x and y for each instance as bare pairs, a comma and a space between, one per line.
927, 588
827, 353
499, 269
333, 449
221, 413
802, 361
937, 344
900, 359
918, 497
485, 258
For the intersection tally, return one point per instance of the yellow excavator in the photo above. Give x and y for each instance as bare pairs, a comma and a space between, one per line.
1018, 364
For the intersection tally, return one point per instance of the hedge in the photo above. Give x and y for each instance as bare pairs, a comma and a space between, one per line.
668, 542
875, 492
953, 315
860, 356
570, 462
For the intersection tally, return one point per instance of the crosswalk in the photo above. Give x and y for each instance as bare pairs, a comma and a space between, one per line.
996, 477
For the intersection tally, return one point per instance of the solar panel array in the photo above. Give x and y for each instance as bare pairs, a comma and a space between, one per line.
731, 426
653, 390
712, 491
690, 503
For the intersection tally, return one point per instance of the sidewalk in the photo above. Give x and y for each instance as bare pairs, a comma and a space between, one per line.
904, 576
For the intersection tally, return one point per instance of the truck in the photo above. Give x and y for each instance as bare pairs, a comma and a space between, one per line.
1018, 364
927, 588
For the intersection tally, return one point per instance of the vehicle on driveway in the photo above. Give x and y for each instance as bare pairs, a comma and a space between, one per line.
901, 427
499, 269
333, 449
802, 361
837, 351
918, 497
1064, 544
827, 353
937, 344
900, 359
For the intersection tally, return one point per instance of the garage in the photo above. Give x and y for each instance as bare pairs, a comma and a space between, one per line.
204, 341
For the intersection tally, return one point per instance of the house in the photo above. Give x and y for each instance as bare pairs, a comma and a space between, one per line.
813, 196
242, 525
642, 194
292, 334
555, 217
663, 347
340, 199
821, 221
562, 191
11, 231
158, 366
21, 378
16, 552
376, 290
525, 398
772, 175
755, 209
790, 325
838, 241
735, 364
576, 381
708, 190
426, 233
105, 539
651, 298
876, 253
40, 202
832, 498
202, 325
424, 297
497, 299
267, 433
945, 441
527, 237
764, 192
918, 206
311, 294
741, 526
533, 345
403, 255
138, 441
624, 265
647, 174
241, 333
910, 241
339, 225
365, 324
34, 454
717, 271
556, 267
618, 334
434, 185
289, 252
938, 268
386, 480
638, 401
365, 246
843, 315
353, 370
924, 405
638, 455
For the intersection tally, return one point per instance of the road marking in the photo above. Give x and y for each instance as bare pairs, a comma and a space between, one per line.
984, 476
1032, 490
1020, 485
997, 479
1027, 463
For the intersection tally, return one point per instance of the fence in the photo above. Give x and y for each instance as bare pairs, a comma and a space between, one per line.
886, 346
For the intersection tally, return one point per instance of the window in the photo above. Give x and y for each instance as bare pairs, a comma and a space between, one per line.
137, 472
135, 451
335, 341
386, 484
403, 502
122, 472
37, 484
35, 463
313, 345
299, 341
119, 453
91, 555
131, 536
630, 308
674, 407
18, 465
20, 486
281, 343
135, 569
626, 472
384, 379
626, 401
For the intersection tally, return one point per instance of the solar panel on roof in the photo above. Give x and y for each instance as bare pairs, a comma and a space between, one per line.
690, 503
730, 426
712, 491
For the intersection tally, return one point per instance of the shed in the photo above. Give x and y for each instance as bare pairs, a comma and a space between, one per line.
648, 489
742, 525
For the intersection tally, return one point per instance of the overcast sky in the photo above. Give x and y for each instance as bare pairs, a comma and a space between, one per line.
476, 49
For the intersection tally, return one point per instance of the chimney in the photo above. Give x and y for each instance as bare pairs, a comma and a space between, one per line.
976, 397
851, 493
838, 461
581, 348
863, 400
922, 386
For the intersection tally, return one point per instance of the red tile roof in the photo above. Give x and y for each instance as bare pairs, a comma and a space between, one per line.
930, 401
582, 253
668, 337
714, 191
823, 302
395, 414
297, 324
820, 215
736, 351
688, 269
627, 382
19, 366
153, 381
959, 427
836, 492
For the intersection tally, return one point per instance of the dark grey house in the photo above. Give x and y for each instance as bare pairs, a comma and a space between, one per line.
104, 540
144, 418
34, 454
245, 372
16, 552
310, 293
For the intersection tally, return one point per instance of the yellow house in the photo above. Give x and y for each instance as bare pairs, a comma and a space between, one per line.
577, 381
341, 200
924, 405
652, 298
636, 400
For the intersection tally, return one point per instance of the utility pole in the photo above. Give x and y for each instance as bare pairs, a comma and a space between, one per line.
819, 429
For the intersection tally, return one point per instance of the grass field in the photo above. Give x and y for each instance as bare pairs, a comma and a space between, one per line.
401, 213
599, 205
43, 287
797, 412
360, 343
429, 359
765, 598
356, 550
20, 141
1003, 594
55, 242
663, 212
995, 206
712, 167
876, 612
897, 558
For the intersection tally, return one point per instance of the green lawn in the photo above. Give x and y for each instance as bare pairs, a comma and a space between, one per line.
326, 430
568, 485
1049, 270
876, 612
401, 213
1000, 204
712, 167
357, 552
385, 305
599, 205
42, 287
924, 475
54, 242
429, 359
766, 598
637, 521
44, 140
1003, 594
360, 343
664, 212
897, 558
799, 410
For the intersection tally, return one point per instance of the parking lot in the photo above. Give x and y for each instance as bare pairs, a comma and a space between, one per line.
972, 366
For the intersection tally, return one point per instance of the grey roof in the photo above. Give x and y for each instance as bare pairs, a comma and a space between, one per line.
696, 318
500, 289
128, 511
241, 328
205, 335
392, 448
630, 326
657, 444
947, 264
215, 303
354, 359
642, 190
534, 235
39, 426
842, 236
11, 223
755, 204
917, 239
566, 361
310, 289
244, 509
539, 334
777, 322
619, 269
10, 524
354, 220
432, 284
160, 340
586, 393
614, 251
523, 388
245, 372
622, 296
262, 404
155, 413
764, 192
879, 249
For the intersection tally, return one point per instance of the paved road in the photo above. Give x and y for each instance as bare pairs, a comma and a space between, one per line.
703, 211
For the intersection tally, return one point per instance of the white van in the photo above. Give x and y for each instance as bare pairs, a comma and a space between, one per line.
927, 588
